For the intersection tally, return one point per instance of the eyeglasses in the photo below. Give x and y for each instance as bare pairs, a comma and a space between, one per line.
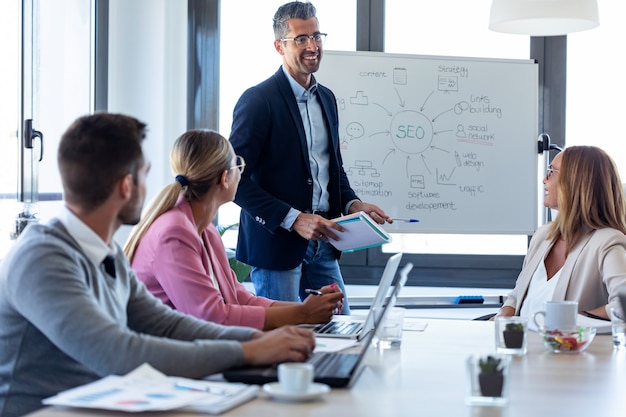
551, 171
302, 41
240, 164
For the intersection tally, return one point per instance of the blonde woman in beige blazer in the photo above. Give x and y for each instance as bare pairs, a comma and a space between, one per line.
584, 248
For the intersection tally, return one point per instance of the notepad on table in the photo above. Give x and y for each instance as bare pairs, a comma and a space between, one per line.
361, 232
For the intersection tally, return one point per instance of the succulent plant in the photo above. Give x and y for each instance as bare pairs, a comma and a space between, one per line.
490, 365
514, 327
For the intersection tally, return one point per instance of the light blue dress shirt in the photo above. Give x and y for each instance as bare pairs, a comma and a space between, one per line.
317, 144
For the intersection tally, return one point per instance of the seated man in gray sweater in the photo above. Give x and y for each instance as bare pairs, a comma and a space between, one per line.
68, 318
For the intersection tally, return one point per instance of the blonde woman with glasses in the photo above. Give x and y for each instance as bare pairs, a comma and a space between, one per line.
178, 252
581, 255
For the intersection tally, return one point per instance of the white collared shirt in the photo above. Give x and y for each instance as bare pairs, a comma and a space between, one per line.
317, 143
93, 246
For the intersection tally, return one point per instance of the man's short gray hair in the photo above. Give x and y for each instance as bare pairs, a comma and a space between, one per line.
292, 10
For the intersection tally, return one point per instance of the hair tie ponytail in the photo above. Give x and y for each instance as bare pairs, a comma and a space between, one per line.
182, 180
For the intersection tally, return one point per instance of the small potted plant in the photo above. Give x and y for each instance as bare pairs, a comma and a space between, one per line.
491, 376
513, 335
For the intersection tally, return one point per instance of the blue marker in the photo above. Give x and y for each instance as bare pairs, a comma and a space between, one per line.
406, 220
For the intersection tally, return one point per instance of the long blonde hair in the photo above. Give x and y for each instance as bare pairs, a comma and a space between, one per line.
590, 195
197, 160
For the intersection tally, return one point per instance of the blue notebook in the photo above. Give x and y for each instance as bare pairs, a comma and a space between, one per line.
361, 232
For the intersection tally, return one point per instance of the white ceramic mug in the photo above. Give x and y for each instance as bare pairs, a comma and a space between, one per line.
295, 377
558, 315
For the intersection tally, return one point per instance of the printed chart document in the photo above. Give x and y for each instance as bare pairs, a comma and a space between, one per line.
361, 232
146, 389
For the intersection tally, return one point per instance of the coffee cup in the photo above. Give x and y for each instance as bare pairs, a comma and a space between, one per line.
557, 315
295, 377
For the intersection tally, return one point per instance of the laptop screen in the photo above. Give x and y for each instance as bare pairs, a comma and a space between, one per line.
383, 288
340, 376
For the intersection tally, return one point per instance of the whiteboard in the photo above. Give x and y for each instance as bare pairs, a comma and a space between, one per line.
449, 141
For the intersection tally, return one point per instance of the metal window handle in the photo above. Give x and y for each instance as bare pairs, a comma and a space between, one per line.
30, 134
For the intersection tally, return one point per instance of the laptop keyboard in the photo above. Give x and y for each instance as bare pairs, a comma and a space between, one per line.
338, 327
329, 364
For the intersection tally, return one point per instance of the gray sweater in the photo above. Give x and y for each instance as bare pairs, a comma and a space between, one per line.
64, 323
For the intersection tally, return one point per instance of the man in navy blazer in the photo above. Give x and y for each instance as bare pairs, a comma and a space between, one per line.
286, 129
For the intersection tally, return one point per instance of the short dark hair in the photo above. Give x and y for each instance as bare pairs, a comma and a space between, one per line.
292, 10
95, 152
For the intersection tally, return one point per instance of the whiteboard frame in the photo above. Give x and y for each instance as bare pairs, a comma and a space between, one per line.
325, 77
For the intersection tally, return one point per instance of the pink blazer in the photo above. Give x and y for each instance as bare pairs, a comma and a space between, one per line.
592, 274
173, 262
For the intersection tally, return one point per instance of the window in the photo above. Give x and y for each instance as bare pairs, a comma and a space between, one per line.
57, 83
595, 89
450, 28
9, 114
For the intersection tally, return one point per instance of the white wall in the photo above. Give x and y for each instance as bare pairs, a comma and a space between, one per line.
147, 77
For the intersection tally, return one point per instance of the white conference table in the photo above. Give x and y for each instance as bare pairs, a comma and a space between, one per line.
427, 377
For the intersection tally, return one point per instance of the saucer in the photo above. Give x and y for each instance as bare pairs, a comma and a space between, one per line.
315, 390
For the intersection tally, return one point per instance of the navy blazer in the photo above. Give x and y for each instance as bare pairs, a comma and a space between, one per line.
268, 132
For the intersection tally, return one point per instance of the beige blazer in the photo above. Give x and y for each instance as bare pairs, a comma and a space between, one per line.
592, 274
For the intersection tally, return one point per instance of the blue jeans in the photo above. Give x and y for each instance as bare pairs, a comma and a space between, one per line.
318, 268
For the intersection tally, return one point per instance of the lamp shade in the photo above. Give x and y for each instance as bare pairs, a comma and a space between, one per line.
543, 17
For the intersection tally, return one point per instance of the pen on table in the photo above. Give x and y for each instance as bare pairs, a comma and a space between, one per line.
198, 386
310, 291
406, 220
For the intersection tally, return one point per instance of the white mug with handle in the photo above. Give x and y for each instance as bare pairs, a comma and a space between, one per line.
558, 315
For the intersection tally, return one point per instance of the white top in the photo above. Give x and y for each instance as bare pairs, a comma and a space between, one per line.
540, 290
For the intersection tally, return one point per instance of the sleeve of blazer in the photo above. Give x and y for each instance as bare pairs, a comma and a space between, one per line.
180, 264
611, 264
251, 130
529, 265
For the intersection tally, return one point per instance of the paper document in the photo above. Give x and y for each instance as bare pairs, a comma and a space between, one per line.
361, 232
146, 389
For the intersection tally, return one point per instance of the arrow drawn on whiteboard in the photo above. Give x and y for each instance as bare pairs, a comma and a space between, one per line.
424, 104
399, 98
425, 164
439, 149
391, 151
386, 111
442, 131
440, 114
386, 132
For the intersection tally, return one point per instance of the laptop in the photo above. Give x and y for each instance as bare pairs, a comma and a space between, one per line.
336, 369
348, 329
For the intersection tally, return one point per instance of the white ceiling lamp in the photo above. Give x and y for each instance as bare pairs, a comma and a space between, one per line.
543, 17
